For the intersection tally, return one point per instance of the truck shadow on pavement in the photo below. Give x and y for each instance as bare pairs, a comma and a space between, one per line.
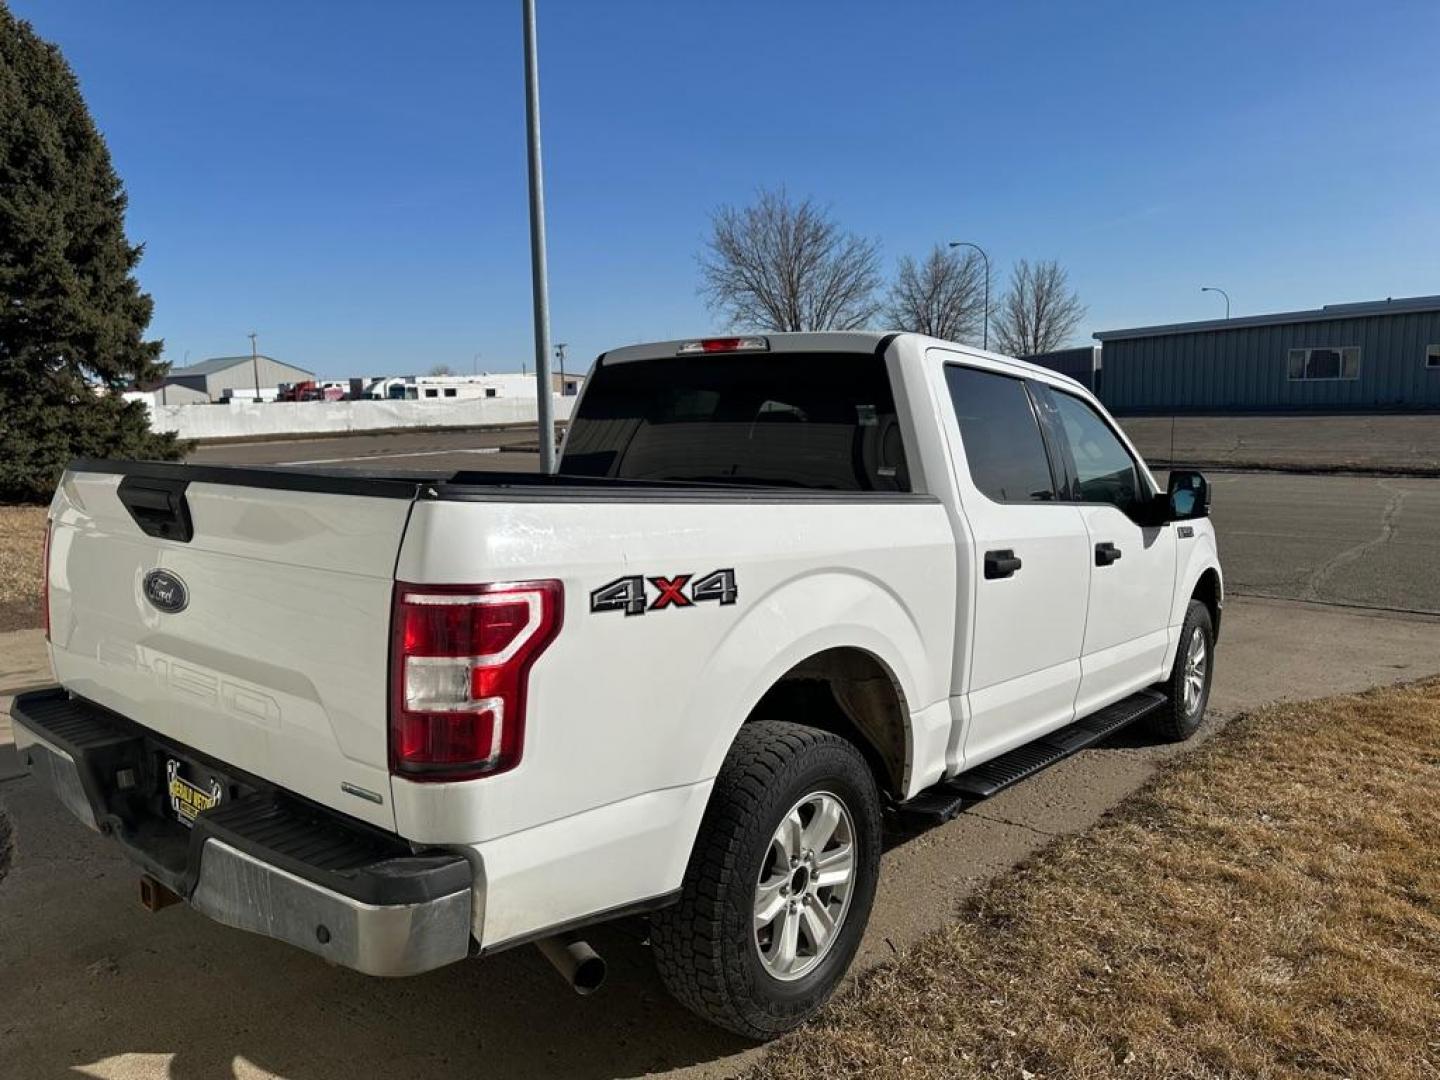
87, 976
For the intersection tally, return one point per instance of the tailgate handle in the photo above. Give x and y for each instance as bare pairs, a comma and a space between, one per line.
159, 507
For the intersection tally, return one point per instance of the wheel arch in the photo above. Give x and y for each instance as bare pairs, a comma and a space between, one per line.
1209, 590
852, 693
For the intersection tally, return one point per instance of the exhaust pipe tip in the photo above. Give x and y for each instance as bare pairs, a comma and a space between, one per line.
578, 964
589, 974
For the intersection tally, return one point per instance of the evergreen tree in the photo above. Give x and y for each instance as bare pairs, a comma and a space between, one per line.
72, 316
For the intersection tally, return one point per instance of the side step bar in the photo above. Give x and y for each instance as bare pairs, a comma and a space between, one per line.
946, 799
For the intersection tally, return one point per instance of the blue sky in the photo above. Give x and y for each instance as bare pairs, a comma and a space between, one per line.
348, 179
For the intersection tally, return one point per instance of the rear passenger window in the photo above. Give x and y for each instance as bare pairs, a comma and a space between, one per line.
1002, 438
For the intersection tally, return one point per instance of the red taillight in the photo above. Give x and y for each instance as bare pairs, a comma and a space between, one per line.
45, 582
725, 344
461, 659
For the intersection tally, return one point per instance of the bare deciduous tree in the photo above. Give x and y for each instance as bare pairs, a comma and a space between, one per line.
782, 265
944, 296
441, 369
1040, 310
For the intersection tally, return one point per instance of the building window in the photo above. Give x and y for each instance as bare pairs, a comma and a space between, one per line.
1323, 364
449, 391
489, 391
431, 393
1432, 356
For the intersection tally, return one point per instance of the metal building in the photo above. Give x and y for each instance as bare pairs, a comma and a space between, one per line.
1383, 354
1081, 364
227, 376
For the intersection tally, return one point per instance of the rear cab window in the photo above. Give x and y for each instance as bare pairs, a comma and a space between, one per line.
823, 421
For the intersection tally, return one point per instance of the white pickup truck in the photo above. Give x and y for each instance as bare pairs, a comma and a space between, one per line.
780, 587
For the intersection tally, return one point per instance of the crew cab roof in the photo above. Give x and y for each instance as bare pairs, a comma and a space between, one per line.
851, 341
843, 341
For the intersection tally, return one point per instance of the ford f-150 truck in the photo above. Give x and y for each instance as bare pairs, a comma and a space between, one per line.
780, 585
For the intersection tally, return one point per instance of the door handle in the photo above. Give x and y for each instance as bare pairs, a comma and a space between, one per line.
1106, 553
1001, 564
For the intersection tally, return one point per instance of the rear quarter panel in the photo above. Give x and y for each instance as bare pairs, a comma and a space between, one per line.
622, 705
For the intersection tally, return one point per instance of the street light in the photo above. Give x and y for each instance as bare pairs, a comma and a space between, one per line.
1222, 292
255, 363
977, 247
560, 348
538, 283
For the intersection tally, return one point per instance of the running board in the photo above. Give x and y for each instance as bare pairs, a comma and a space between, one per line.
946, 799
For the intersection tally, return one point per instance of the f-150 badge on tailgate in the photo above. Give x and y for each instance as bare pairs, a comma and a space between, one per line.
628, 594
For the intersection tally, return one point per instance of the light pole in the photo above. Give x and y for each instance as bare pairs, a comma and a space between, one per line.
1222, 292
977, 247
477, 364
539, 283
254, 363
560, 347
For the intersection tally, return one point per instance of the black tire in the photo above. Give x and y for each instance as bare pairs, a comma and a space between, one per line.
705, 945
1177, 721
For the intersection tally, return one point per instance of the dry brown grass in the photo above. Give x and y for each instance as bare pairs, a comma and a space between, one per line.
22, 538
1268, 907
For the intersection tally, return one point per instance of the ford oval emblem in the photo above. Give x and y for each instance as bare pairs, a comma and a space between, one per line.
166, 591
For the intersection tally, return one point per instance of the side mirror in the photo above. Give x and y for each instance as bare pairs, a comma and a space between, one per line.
1188, 495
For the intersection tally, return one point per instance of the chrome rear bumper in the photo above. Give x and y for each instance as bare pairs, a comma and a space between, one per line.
379, 939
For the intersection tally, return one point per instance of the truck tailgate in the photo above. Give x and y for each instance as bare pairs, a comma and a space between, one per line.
262, 643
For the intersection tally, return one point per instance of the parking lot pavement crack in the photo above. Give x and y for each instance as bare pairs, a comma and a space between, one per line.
999, 820
1389, 516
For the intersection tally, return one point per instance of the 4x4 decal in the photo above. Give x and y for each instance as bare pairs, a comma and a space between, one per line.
628, 594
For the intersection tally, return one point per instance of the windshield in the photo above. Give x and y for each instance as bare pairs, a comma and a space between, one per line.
808, 420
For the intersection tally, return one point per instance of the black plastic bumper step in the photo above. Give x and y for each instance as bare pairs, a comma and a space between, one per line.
303, 839
946, 799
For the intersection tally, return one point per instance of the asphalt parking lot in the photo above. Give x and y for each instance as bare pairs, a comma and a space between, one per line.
1359, 540
92, 983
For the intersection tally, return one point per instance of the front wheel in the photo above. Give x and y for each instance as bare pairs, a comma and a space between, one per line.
780, 884
1189, 684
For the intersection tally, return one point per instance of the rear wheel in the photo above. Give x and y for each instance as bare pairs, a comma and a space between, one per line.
1189, 684
780, 883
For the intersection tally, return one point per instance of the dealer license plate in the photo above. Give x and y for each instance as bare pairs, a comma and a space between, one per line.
187, 798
